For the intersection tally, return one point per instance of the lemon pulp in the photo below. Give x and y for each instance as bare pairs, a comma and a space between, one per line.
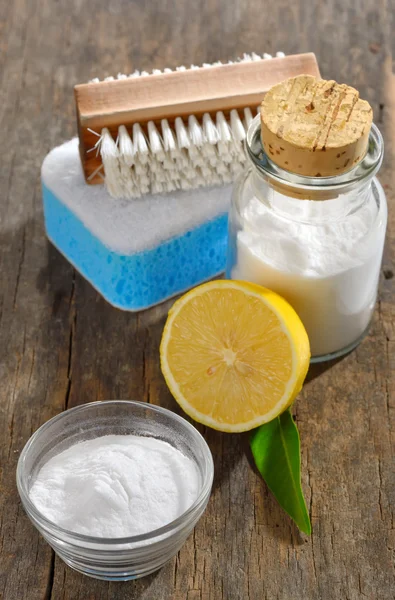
233, 354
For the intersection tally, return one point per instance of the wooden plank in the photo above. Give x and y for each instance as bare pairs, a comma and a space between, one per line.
61, 345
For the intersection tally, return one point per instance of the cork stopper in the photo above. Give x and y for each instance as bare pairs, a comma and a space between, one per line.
314, 127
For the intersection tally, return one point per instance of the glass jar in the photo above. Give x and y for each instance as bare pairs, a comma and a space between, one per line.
316, 241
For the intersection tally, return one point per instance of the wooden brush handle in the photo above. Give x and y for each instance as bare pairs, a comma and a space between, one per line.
177, 94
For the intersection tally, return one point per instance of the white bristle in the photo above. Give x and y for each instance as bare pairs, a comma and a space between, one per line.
169, 142
238, 153
173, 156
141, 172
245, 58
210, 131
97, 144
181, 158
237, 126
225, 144
195, 131
211, 153
223, 127
196, 156
247, 117
125, 146
170, 167
110, 155
142, 177
120, 179
108, 147
222, 168
94, 132
182, 134
140, 143
235, 169
190, 154
154, 138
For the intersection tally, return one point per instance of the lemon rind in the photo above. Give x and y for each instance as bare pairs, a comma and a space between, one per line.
298, 340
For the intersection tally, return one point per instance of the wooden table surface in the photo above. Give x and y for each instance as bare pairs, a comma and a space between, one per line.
61, 345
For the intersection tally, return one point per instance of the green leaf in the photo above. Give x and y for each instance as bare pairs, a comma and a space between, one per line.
276, 450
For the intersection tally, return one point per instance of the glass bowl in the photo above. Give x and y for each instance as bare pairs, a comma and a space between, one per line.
115, 558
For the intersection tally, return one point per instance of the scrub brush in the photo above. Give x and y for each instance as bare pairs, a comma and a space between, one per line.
184, 129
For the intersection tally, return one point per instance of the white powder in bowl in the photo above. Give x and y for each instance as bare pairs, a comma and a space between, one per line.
116, 486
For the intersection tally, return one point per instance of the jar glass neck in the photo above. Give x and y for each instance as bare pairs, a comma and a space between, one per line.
304, 188
307, 210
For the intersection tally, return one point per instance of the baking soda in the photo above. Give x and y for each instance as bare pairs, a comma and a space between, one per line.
116, 486
326, 264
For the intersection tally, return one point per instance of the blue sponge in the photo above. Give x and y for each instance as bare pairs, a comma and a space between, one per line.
136, 253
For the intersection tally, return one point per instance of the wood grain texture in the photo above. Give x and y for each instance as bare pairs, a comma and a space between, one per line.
62, 345
177, 94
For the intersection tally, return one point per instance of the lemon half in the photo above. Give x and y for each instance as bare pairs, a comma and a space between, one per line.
234, 354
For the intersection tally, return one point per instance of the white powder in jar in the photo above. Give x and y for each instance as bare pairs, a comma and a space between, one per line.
324, 263
116, 486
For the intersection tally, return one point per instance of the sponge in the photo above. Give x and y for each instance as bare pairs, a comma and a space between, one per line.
136, 253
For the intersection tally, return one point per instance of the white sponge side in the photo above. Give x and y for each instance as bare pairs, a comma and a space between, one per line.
128, 226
